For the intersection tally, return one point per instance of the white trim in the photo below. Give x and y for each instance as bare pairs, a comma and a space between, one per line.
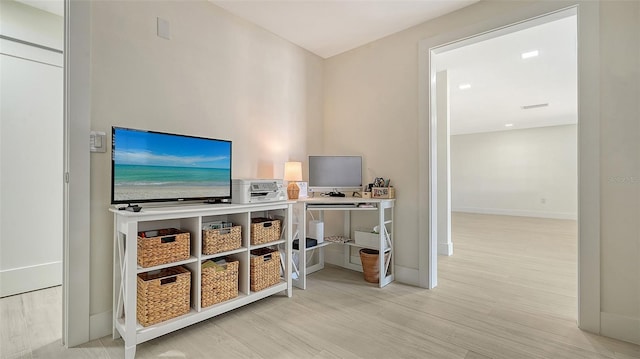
517, 212
29, 278
427, 195
589, 166
445, 249
588, 146
100, 325
620, 327
407, 275
77, 115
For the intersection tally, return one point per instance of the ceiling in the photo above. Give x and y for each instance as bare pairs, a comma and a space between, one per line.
330, 27
502, 82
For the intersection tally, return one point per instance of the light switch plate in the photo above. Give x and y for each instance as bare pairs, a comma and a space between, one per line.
98, 141
164, 30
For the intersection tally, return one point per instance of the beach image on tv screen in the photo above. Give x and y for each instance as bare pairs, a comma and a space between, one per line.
155, 166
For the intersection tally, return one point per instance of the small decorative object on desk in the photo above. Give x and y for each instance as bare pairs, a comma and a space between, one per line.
381, 188
303, 190
383, 192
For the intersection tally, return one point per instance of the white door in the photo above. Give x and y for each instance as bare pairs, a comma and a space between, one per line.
31, 153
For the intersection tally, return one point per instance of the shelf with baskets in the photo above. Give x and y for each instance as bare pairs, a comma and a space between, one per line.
194, 262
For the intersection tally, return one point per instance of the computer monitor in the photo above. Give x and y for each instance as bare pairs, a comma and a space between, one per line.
335, 173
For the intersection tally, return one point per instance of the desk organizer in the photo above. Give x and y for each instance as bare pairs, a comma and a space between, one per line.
383, 192
163, 295
162, 246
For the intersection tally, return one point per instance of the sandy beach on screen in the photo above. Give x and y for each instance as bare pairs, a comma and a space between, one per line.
140, 193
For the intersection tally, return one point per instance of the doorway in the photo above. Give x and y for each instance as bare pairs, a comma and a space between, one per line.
588, 154
507, 122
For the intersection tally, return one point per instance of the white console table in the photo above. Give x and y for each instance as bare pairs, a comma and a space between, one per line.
382, 208
190, 218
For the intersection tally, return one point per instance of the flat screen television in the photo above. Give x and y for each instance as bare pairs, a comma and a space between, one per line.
335, 173
148, 166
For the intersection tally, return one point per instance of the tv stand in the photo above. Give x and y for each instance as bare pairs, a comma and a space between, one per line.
190, 218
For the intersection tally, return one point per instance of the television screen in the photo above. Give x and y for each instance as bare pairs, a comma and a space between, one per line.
151, 166
335, 173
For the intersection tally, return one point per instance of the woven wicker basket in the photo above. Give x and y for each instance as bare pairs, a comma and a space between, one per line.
163, 295
218, 286
264, 230
221, 240
265, 268
162, 246
369, 258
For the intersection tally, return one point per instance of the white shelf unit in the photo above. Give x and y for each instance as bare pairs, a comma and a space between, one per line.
382, 208
189, 218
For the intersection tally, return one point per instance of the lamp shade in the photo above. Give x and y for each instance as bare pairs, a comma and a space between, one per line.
293, 171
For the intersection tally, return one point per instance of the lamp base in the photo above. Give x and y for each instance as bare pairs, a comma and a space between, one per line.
293, 191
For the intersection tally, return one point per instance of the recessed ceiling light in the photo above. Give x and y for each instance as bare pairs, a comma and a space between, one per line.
528, 107
526, 55
508, 125
464, 86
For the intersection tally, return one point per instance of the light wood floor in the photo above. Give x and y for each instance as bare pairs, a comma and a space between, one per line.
509, 291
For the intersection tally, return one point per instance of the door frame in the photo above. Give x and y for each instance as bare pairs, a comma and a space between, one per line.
76, 195
588, 147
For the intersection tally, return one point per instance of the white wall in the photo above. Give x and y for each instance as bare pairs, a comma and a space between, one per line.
217, 77
529, 172
30, 149
620, 168
372, 91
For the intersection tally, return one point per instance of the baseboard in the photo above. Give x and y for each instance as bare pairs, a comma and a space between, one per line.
517, 212
620, 327
445, 249
29, 278
100, 325
406, 275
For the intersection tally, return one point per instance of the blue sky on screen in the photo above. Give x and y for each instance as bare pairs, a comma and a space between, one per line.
134, 147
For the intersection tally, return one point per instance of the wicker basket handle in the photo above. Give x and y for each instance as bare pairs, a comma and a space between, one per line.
266, 258
168, 280
267, 224
225, 231
168, 239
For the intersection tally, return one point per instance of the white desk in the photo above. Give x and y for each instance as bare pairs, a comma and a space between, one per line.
383, 208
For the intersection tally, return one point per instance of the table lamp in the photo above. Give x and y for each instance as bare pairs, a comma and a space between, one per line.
292, 174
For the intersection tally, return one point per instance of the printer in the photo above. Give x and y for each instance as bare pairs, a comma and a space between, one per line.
257, 191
